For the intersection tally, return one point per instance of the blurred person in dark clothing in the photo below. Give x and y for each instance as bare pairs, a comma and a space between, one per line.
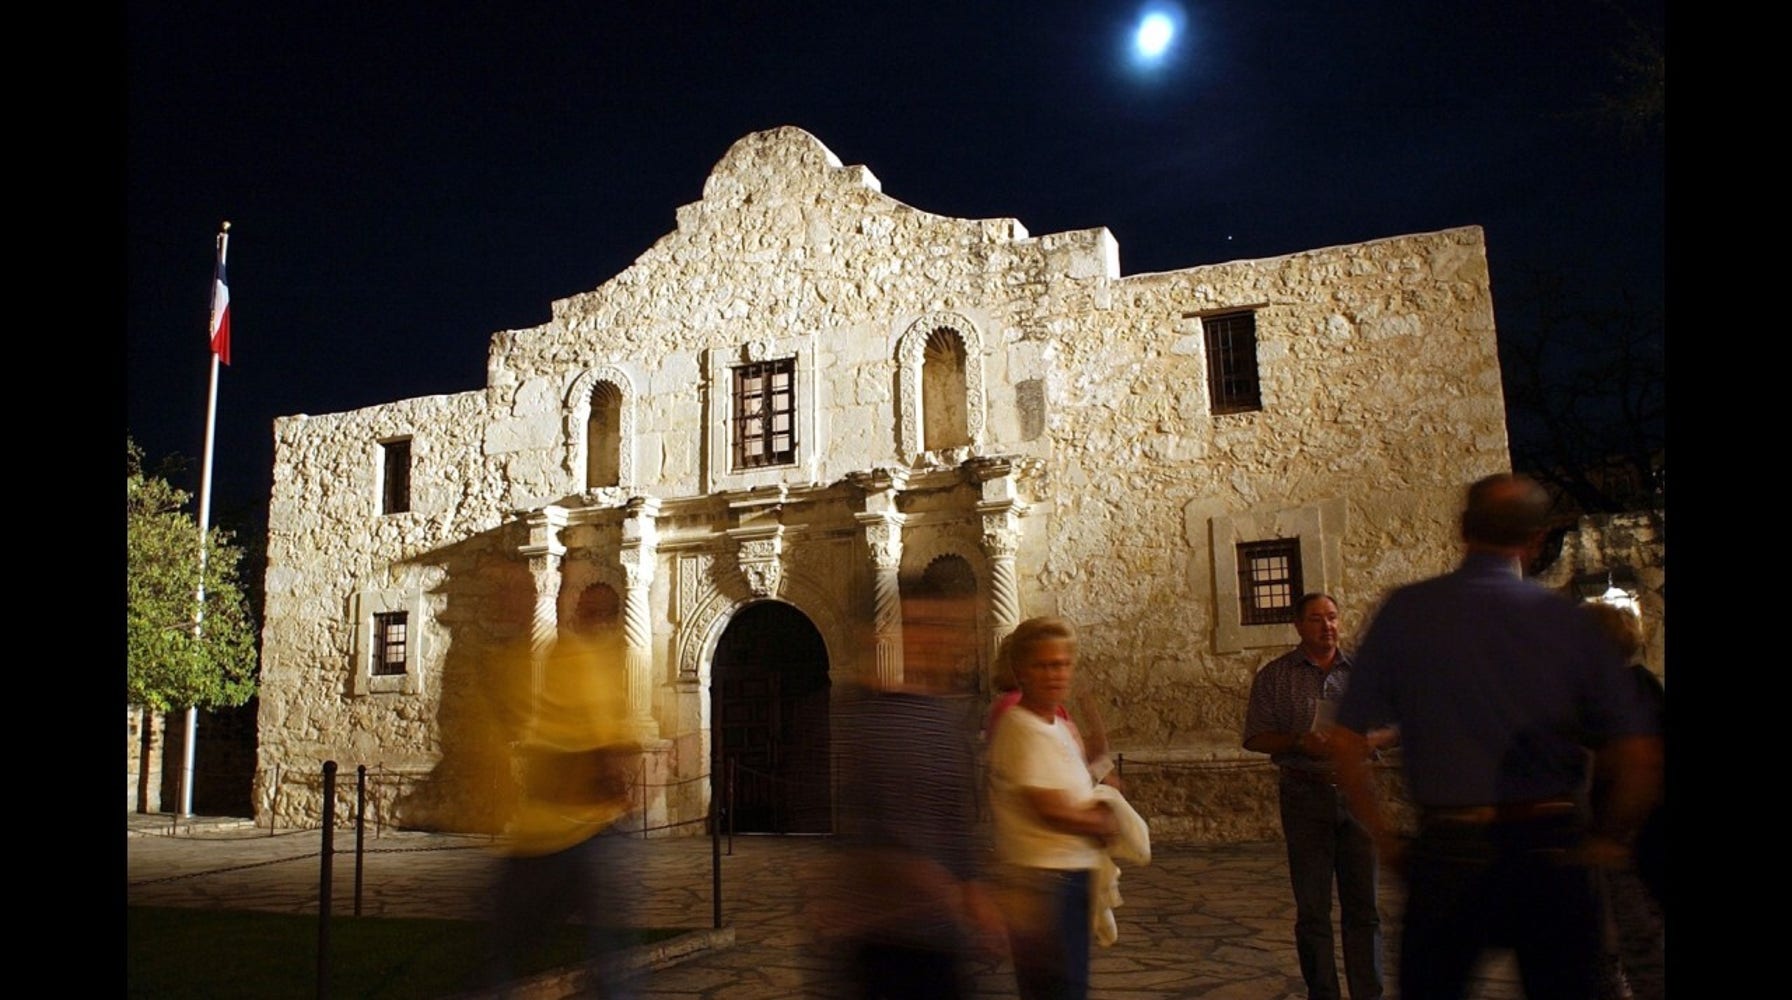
1630, 898
1625, 629
910, 905
1499, 687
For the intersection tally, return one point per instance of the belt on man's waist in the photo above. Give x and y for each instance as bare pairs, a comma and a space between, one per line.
1504, 812
1311, 777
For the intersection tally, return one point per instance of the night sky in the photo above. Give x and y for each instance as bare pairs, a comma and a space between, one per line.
405, 179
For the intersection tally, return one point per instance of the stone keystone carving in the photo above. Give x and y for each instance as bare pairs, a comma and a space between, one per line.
760, 557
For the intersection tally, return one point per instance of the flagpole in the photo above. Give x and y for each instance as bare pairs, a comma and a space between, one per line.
205, 523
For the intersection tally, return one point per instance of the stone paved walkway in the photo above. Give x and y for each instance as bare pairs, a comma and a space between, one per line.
1210, 922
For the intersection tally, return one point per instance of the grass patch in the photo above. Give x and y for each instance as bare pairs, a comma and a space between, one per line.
175, 953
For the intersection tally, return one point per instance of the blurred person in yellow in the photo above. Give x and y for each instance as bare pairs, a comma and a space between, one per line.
561, 720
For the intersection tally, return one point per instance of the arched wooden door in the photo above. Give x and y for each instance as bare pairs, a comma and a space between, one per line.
769, 709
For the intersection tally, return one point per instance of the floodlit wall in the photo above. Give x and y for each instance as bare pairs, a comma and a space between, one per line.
1094, 479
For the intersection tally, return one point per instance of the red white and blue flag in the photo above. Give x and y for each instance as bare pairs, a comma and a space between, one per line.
221, 310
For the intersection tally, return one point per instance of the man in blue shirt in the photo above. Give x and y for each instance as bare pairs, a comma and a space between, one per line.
1498, 686
1292, 700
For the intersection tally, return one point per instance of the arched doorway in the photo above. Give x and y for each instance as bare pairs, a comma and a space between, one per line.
769, 706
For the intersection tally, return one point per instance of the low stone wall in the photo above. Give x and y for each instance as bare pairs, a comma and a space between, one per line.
1218, 794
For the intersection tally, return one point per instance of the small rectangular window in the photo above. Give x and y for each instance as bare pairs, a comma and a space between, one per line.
389, 642
1232, 362
1268, 580
396, 481
765, 414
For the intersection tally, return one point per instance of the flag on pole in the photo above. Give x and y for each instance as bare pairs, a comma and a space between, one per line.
221, 308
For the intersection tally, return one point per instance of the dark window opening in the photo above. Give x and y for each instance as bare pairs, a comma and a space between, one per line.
1268, 580
1232, 362
389, 640
396, 495
765, 414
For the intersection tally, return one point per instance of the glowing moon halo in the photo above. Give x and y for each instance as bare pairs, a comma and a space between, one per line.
1154, 35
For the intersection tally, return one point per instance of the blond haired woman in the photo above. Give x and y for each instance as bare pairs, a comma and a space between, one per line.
1049, 827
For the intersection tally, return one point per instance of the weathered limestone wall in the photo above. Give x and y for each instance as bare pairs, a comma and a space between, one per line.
1381, 392
1381, 398
328, 542
144, 739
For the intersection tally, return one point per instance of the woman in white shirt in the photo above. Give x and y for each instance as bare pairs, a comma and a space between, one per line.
1049, 827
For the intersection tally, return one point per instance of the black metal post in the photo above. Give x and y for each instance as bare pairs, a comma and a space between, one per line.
324, 878
715, 861
360, 828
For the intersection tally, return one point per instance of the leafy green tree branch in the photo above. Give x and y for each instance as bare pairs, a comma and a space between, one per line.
178, 652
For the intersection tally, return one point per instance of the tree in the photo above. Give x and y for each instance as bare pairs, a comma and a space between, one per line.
175, 657
1636, 99
1585, 396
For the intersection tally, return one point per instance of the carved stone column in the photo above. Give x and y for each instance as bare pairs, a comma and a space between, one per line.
883, 537
640, 536
1001, 509
1001, 540
544, 552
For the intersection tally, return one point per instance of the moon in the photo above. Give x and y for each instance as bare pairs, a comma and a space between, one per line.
1154, 35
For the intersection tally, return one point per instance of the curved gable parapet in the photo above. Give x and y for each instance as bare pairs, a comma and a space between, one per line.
776, 159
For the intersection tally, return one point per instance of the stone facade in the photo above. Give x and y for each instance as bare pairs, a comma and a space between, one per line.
937, 389
145, 740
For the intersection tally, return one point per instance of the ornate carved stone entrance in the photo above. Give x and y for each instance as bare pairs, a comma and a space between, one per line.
769, 708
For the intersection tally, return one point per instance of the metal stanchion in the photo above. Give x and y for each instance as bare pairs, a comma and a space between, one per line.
325, 872
274, 802
379, 819
715, 862
360, 828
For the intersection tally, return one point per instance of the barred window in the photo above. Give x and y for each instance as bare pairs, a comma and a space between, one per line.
765, 414
1268, 580
1232, 362
396, 481
389, 638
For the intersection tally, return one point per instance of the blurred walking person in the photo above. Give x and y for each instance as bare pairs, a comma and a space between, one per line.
1498, 686
911, 905
565, 849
